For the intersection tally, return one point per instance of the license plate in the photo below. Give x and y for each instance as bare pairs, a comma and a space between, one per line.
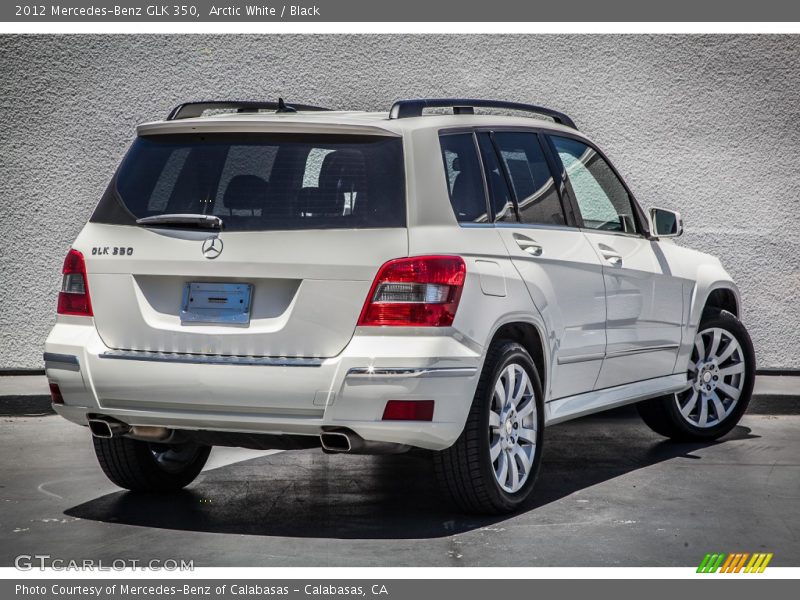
220, 303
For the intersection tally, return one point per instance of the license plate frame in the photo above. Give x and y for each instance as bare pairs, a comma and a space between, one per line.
212, 303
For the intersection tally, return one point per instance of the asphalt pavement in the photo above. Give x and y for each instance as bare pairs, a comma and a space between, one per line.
610, 493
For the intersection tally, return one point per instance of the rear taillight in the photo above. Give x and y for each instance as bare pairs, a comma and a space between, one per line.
74, 296
421, 291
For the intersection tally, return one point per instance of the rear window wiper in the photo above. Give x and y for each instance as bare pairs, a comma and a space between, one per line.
183, 220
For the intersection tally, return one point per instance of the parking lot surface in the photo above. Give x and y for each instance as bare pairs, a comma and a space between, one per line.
610, 493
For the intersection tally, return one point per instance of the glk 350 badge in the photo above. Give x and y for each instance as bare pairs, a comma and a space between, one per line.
112, 251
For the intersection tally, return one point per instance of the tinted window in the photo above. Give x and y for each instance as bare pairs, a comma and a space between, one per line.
264, 181
464, 178
527, 168
602, 199
499, 194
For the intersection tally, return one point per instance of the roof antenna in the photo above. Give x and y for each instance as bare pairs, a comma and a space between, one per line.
284, 108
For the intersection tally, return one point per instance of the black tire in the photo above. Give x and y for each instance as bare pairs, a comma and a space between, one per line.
663, 415
149, 467
465, 470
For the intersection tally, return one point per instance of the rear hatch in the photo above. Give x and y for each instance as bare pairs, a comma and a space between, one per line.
306, 221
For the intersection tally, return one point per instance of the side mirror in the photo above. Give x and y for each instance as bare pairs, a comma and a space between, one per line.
666, 223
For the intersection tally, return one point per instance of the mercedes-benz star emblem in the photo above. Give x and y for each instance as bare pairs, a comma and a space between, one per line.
212, 247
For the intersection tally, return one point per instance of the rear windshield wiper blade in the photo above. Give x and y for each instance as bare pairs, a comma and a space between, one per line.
197, 220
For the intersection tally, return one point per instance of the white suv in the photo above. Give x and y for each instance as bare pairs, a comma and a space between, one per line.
269, 276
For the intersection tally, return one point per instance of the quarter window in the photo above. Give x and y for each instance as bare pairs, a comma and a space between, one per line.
602, 199
464, 179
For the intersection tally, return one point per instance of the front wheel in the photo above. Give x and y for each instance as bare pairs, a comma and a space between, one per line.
720, 378
147, 466
492, 467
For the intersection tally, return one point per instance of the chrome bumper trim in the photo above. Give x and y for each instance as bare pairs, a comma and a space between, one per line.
203, 359
65, 362
411, 372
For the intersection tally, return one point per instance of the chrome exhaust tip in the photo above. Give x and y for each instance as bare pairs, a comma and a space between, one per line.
343, 440
150, 433
102, 428
335, 441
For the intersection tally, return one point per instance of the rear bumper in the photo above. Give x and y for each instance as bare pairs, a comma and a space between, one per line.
277, 396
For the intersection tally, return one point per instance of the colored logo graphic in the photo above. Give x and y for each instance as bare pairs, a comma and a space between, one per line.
735, 563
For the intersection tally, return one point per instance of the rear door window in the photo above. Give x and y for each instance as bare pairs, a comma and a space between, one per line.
534, 189
264, 181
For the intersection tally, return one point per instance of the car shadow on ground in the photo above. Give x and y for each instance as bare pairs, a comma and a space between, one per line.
308, 494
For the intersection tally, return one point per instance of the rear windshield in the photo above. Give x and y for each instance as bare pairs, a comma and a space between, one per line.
261, 181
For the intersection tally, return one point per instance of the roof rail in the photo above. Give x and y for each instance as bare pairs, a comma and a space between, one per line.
403, 109
187, 110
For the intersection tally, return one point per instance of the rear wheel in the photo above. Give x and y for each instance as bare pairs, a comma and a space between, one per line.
149, 467
493, 465
720, 377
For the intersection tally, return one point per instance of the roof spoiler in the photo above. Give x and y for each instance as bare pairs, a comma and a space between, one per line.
188, 110
403, 109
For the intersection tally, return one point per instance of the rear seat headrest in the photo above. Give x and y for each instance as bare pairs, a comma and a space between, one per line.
245, 192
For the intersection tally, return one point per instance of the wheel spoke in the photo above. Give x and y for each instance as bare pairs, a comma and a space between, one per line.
729, 390
718, 407
500, 392
690, 404
700, 347
514, 473
494, 419
734, 369
494, 451
715, 343
524, 459
521, 390
732, 346
511, 381
502, 473
529, 435
527, 408
702, 420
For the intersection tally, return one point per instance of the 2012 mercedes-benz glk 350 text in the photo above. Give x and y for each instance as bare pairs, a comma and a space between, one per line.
269, 276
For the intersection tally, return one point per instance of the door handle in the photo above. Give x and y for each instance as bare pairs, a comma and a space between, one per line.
612, 256
528, 245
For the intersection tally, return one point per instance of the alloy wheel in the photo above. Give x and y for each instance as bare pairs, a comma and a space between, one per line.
512, 428
716, 377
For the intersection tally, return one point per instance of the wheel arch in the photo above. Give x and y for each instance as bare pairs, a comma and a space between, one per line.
723, 298
714, 287
530, 336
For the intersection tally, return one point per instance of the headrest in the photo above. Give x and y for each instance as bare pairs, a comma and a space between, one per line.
342, 169
245, 192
